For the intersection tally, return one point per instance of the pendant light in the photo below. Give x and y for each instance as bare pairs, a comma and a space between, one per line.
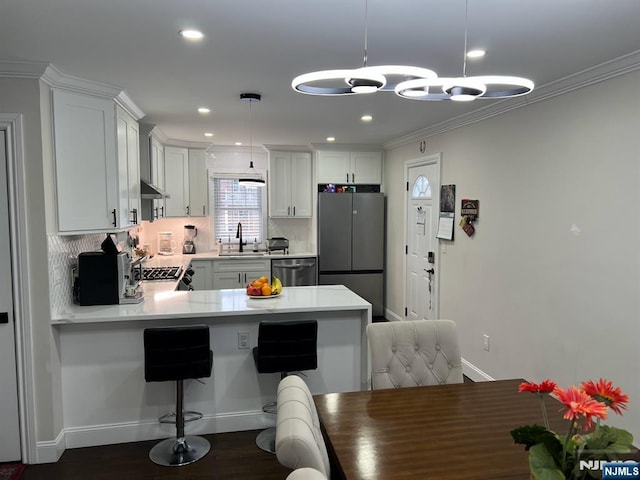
464, 89
368, 79
251, 178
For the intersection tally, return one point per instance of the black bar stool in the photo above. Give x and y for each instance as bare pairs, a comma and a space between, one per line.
284, 346
177, 354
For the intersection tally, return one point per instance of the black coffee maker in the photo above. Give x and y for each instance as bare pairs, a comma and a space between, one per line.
189, 244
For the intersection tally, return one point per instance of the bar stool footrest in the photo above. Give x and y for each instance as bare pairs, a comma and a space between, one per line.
270, 408
188, 417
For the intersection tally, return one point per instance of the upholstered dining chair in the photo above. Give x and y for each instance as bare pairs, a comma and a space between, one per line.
299, 442
306, 474
410, 353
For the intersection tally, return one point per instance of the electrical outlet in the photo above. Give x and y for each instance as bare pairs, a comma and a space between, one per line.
485, 342
243, 340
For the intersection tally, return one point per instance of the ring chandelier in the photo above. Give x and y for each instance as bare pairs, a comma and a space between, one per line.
410, 82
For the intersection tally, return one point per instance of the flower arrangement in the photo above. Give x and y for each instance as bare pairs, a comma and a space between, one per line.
557, 457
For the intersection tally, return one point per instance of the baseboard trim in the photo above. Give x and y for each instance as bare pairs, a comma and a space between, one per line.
50, 451
389, 315
124, 432
474, 373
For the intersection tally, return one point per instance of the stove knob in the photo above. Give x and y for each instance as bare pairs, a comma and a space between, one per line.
186, 279
189, 271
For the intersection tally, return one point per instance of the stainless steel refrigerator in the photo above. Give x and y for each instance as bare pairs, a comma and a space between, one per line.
351, 243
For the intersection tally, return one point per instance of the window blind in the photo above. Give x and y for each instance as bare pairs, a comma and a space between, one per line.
235, 203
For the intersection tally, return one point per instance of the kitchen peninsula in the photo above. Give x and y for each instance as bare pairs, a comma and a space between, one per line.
106, 399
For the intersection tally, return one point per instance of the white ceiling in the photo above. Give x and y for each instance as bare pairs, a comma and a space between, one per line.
259, 46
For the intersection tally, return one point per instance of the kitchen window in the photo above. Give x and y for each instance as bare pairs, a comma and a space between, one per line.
233, 203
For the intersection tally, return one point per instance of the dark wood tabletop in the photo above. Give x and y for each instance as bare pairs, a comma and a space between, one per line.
444, 432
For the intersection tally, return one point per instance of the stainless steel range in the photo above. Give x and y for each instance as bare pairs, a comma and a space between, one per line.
161, 273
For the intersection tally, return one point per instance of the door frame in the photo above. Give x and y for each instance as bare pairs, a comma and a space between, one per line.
12, 125
433, 159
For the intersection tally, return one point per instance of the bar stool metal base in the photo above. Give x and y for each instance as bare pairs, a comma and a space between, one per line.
266, 440
175, 452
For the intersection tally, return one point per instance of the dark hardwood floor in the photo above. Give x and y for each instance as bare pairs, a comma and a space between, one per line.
233, 456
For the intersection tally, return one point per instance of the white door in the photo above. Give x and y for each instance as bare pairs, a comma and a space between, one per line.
9, 426
422, 245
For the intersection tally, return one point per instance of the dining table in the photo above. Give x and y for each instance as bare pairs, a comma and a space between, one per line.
442, 432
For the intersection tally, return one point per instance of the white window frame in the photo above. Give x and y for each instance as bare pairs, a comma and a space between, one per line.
212, 175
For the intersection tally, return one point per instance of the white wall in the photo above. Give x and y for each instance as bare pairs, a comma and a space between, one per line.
553, 271
24, 96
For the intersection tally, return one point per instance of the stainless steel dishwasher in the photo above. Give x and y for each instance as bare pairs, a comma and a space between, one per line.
294, 272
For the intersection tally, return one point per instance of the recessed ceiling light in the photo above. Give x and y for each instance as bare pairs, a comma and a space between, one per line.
476, 53
366, 118
191, 34
238, 143
331, 139
203, 110
208, 134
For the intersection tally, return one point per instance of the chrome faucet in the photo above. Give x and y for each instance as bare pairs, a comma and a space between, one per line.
239, 235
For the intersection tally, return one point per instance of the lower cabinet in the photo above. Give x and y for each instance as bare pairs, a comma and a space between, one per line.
202, 274
235, 273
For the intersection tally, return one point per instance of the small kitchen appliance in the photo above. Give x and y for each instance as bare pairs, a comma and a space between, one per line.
105, 279
188, 243
278, 243
166, 243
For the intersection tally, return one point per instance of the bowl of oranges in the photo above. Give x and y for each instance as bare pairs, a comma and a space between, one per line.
261, 288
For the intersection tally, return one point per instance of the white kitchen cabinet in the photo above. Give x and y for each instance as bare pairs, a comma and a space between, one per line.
202, 274
128, 154
236, 273
198, 197
343, 167
157, 175
176, 178
94, 164
290, 185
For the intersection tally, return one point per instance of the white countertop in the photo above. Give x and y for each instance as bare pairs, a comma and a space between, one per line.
181, 259
163, 304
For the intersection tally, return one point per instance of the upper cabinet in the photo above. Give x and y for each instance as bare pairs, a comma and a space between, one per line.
290, 185
185, 181
96, 164
342, 167
176, 178
198, 193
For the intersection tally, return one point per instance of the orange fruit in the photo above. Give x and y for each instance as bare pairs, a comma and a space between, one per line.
257, 283
266, 290
264, 279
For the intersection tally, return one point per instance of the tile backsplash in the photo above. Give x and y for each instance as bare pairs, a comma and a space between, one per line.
63, 257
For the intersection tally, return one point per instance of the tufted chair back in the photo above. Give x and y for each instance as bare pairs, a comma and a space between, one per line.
413, 353
299, 441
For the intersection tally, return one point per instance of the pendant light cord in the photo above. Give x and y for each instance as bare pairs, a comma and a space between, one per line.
466, 24
366, 31
250, 133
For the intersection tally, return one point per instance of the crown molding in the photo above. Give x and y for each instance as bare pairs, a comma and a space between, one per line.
55, 78
287, 148
350, 147
596, 74
237, 149
172, 142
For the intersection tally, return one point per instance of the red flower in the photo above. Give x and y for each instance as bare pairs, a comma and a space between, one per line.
546, 386
578, 404
603, 392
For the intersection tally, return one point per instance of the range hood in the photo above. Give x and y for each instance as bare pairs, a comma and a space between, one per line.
149, 191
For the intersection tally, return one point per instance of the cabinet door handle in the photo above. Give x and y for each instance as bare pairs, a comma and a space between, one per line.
113, 212
155, 212
187, 209
294, 210
239, 280
288, 210
203, 210
353, 178
162, 211
347, 177
134, 215
245, 278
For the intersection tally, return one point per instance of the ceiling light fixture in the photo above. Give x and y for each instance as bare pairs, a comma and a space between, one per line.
366, 118
203, 110
464, 89
208, 134
191, 34
251, 178
476, 53
368, 79
331, 139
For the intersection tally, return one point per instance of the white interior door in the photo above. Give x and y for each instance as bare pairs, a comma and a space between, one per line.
422, 244
9, 423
